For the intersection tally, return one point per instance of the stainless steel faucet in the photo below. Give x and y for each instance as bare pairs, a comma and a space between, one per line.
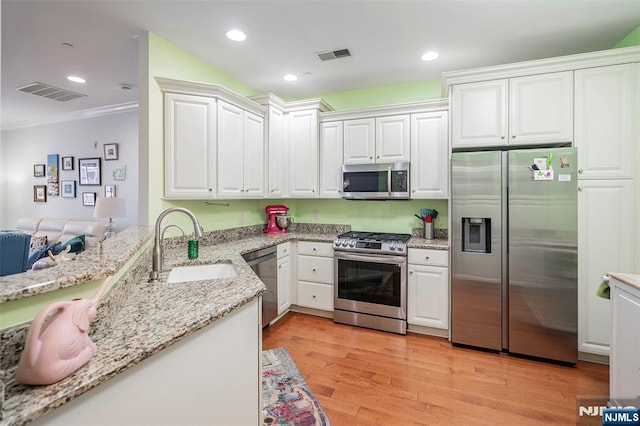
157, 259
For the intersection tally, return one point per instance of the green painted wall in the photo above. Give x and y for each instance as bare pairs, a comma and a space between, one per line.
632, 39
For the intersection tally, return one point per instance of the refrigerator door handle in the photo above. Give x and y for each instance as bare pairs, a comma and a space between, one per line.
504, 249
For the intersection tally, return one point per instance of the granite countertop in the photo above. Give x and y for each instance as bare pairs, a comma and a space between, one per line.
150, 316
632, 280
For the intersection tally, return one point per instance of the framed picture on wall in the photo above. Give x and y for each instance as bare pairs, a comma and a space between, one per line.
89, 171
40, 193
88, 198
38, 170
68, 188
109, 191
110, 151
67, 163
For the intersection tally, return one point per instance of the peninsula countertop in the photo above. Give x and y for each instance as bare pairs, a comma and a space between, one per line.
153, 316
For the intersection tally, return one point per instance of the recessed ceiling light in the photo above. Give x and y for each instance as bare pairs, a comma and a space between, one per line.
430, 56
290, 77
236, 35
76, 79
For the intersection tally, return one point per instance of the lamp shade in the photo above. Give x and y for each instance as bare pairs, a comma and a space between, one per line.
109, 207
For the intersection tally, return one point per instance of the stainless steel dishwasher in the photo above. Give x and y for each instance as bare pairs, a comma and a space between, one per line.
264, 263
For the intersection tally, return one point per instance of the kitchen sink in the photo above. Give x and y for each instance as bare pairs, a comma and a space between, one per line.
181, 274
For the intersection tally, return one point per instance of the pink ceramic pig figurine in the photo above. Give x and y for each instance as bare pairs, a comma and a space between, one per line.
55, 351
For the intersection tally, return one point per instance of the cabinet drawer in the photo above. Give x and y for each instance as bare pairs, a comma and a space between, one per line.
315, 249
315, 269
318, 296
283, 250
428, 257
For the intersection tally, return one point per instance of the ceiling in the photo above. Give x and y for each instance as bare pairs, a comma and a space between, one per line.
386, 40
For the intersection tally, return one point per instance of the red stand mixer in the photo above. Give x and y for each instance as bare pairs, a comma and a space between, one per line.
275, 225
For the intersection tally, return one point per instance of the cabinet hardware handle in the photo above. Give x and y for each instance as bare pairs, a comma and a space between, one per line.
314, 296
279, 266
502, 137
378, 156
210, 189
314, 269
580, 170
426, 258
314, 249
411, 272
579, 189
513, 137
370, 158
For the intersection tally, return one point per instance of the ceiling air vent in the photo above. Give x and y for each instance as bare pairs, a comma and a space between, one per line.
333, 54
51, 92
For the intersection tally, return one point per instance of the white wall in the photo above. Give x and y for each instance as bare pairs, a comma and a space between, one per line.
21, 148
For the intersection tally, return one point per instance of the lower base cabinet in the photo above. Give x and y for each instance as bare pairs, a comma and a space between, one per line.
624, 368
284, 277
428, 289
190, 382
315, 275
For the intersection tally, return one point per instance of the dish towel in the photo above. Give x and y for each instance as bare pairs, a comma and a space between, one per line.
603, 290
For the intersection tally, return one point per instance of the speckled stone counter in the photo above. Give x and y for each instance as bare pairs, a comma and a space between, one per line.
440, 242
152, 316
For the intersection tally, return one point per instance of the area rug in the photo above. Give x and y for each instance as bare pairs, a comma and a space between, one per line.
286, 397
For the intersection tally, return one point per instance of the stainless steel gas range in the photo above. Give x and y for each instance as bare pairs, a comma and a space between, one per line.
371, 280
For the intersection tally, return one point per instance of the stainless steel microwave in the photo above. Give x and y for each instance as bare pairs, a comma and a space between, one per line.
385, 181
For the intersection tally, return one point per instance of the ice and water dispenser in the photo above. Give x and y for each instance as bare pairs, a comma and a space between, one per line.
476, 234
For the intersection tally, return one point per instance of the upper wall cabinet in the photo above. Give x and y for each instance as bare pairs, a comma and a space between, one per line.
190, 146
377, 140
429, 155
241, 153
530, 110
303, 153
277, 147
605, 120
331, 149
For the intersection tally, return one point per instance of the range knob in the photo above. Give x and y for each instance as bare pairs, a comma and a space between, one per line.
392, 246
352, 243
400, 247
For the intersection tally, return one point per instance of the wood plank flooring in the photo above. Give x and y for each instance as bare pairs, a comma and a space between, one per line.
368, 377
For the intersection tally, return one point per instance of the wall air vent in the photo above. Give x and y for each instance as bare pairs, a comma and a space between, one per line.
333, 54
51, 92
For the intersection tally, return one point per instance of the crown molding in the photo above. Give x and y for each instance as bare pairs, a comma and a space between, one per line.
562, 63
379, 111
75, 115
210, 90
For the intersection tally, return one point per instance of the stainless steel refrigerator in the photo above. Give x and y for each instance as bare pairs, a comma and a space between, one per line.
514, 251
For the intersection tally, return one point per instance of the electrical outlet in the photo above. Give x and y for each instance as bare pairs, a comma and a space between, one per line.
241, 217
316, 214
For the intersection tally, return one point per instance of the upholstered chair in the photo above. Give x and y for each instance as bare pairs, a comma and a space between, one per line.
14, 252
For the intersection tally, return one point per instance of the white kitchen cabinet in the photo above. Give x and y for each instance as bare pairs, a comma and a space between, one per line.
377, 140
331, 149
605, 244
605, 120
624, 370
530, 110
479, 114
541, 109
240, 153
190, 146
303, 153
428, 291
285, 279
315, 275
196, 377
277, 146
429, 155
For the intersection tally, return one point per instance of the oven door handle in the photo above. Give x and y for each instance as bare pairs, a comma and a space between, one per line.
394, 260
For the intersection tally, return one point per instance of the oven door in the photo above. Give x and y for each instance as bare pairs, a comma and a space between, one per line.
371, 284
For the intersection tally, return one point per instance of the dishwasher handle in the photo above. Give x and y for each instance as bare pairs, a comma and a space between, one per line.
255, 257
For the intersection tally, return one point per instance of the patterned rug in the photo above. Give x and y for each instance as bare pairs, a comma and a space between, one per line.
286, 397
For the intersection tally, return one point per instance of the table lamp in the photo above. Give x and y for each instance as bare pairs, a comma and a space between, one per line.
109, 207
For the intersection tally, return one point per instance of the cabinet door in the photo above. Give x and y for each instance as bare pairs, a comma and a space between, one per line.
190, 146
429, 155
331, 159
541, 109
392, 139
428, 296
604, 121
230, 151
479, 114
284, 284
359, 141
625, 350
303, 154
277, 146
605, 244
254, 156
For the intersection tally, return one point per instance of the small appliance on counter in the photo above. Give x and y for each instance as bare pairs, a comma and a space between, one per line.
278, 221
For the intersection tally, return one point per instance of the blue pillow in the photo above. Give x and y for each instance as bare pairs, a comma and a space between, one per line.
77, 244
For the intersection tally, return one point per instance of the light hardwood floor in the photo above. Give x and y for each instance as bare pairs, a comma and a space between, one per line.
368, 377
